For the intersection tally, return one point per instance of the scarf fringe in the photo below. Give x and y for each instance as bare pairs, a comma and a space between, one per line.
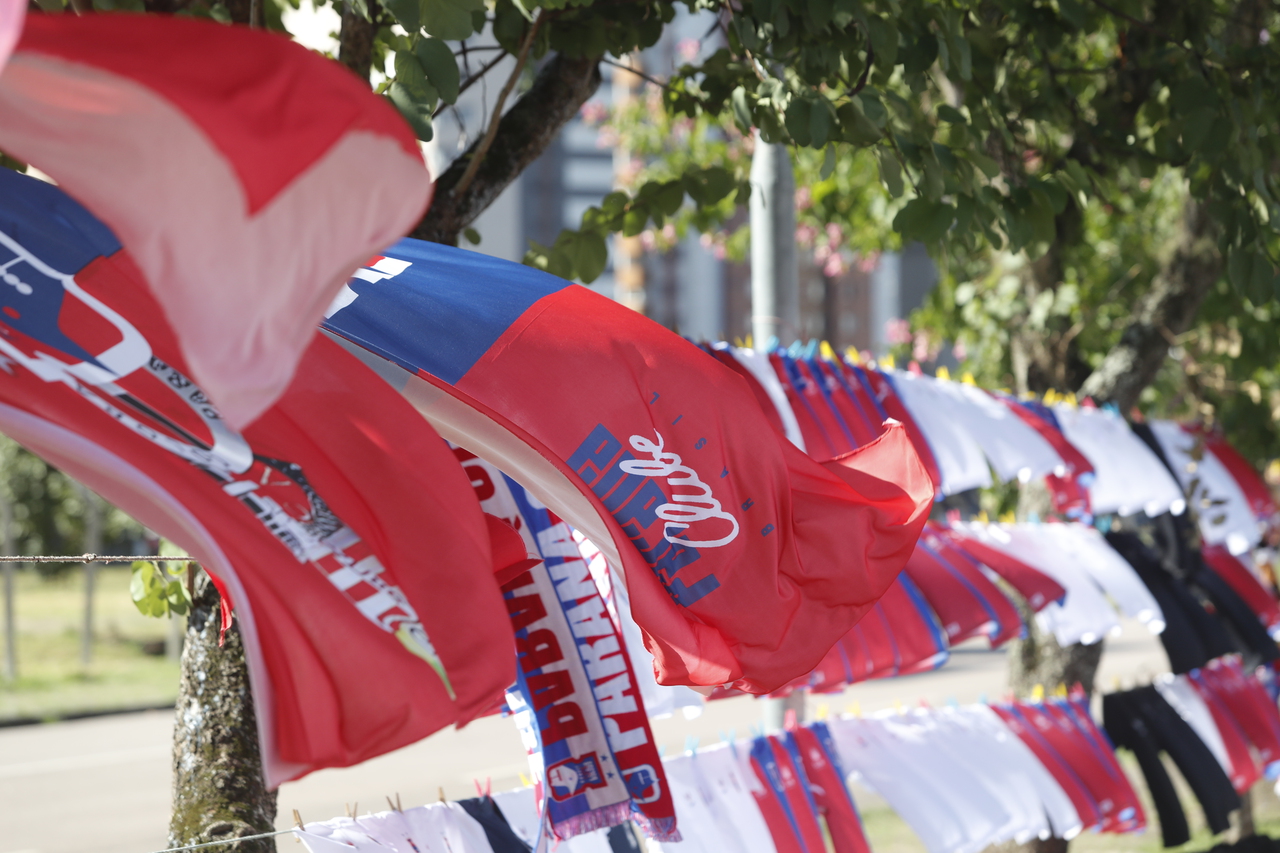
601, 818
658, 828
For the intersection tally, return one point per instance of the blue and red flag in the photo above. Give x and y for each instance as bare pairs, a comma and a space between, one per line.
347, 535
744, 559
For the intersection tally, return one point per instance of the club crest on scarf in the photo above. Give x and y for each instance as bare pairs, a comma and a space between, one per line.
576, 699
52, 327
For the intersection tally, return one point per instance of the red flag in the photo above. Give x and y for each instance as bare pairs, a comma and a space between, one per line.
235, 166
345, 532
745, 560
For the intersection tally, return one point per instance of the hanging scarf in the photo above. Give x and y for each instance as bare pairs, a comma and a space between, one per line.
576, 698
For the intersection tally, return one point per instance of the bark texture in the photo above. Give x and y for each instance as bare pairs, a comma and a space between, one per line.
355, 38
1165, 311
560, 89
218, 788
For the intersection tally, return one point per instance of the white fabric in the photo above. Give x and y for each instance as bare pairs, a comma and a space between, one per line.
660, 700
520, 808
1083, 546
1018, 765
1178, 691
762, 370
1128, 476
324, 838
699, 830
961, 462
1015, 450
1221, 506
1084, 615
725, 787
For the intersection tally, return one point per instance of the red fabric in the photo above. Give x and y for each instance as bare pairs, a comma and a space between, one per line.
1035, 586
1078, 708
1247, 702
796, 553
966, 601
267, 132
882, 388
1056, 764
1245, 474
819, 430
797, 790
1244, 772
1080, 745
1245, 584
849, 410
340, 454
863, 395
775, 817
831, 795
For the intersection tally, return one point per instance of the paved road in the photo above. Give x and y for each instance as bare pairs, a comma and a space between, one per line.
102, 785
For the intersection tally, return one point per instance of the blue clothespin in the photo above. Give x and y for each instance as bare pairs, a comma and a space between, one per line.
691, 743
811, 349
772, 344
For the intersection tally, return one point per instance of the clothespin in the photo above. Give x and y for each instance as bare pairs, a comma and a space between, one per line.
982, 699
887, 362
789, 720
690, 744
297, 824
1037, 693
899, 707
524, 781
1033, 517
1008, 518
821, 712
1070, 399
1050, 397
662, 751
828, 351
391, 803
854, 710
852, 355
967, 379
983, 517
942, 373
772, 344
914, 368
952, 702
348, 806
810, 349
440, 792
1060, 692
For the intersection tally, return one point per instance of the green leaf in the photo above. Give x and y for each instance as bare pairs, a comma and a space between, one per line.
884, 41
798, 121
590, 255
417, 115
924, 220
449, 19
741, 109
857, 128
920, 54
669, 197
407, 13
472, 235
1196, 126
828, 163
1251, 274
413, 80
441, 67
985, 164
890, 172
820, 123
948, 113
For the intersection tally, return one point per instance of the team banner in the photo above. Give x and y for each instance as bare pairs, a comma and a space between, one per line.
576, 698
744, 559
343, 529
237, 168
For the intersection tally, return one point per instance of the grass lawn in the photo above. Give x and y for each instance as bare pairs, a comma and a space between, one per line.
888, 833
52, 682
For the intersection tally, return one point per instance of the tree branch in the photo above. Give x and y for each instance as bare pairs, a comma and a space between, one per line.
562, 86
1168, 309
355, 38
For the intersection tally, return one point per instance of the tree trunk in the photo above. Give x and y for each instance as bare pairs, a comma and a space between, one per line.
1168, 309
355, 38
218, 788
562, 86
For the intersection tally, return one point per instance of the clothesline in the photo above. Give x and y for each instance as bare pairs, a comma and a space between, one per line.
97, 558
227, 841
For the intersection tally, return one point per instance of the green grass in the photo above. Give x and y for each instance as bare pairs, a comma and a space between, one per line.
888, 833
52, 682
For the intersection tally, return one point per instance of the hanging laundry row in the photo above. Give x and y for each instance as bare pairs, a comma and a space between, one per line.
1093, 461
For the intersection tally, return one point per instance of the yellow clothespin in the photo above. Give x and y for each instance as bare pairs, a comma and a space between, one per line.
942, 373
747, 344
852, 354
1050, 397
524, 781
1037, 693
828, 352
822, 711
899, 707
887, 362
967, 379
854, 710
1008, 518
1060, 692
1070, 399
982, 517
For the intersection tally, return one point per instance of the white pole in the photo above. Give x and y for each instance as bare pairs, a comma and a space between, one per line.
775, 286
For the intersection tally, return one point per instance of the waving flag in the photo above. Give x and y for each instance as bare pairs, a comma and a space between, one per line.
744, 559
235, 166
576, 697
348, 537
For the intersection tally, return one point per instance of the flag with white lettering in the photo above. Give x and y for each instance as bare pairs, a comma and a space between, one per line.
745, 560
347, 536
576, 699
